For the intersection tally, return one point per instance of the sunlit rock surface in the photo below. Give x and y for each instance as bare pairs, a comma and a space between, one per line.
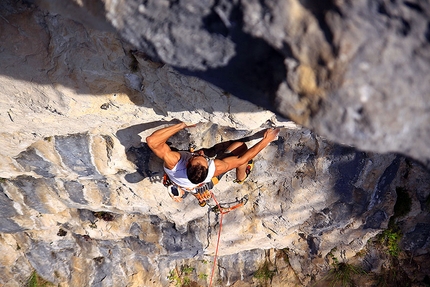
82, 203
355, 72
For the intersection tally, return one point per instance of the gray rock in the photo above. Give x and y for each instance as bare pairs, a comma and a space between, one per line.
30, 161
6, 203
417, 241
75, 191
33, 190
7, 225
74, 131
74, 152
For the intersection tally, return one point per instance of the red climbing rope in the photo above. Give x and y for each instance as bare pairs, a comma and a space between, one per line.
222, 211
219, 236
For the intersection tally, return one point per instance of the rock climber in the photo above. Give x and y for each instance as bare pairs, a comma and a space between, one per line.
192, 171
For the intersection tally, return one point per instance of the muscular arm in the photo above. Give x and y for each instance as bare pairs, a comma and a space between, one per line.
157, 143
231, 162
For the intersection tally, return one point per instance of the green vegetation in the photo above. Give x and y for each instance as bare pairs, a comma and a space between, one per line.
36, 281
2, 180
341, 273
388, 241
187, 270
181, 277
175, 277
265, 273
390, 238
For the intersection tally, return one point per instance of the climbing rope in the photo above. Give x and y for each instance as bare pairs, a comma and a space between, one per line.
222, 211
219, 236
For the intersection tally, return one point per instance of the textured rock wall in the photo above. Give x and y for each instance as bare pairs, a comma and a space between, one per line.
356, 72
81, 197
99, 223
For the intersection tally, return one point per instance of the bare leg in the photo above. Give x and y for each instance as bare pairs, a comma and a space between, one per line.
238, 149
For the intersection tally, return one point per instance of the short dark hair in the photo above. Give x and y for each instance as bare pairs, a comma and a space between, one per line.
197, 173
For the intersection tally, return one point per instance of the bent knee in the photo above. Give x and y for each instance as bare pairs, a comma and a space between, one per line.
236, 149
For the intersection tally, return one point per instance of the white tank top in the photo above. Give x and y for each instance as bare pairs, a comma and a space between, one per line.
178, 174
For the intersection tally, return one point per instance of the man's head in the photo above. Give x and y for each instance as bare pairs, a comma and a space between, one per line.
197, 169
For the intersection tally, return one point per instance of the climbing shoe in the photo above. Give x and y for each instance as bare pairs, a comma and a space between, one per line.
248, 170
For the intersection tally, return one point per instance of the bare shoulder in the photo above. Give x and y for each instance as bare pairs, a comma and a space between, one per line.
171, 158
221, 166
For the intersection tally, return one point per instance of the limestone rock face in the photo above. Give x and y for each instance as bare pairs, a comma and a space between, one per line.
355, 72
81, 196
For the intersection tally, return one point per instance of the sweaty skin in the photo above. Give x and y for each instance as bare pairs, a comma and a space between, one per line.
239, 158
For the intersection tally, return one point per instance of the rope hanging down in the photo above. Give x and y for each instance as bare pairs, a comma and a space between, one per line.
222, 211
219, 236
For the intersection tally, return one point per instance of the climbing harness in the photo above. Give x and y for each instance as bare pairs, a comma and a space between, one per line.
203, 194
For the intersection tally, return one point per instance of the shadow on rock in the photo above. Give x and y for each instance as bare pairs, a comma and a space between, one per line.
150, 166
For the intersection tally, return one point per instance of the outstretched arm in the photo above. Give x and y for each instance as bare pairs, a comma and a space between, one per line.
157, 143
231, 162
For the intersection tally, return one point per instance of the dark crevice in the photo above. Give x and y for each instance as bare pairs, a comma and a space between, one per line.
213, 23
402, 25
173, 3
405, 27
383, 10
256, 70
413, 6
427, 33
313, 245
347, 171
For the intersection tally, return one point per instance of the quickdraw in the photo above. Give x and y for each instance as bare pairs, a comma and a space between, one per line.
218, 208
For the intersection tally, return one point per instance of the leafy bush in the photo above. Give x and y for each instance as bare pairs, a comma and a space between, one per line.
180, 277
390, 238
